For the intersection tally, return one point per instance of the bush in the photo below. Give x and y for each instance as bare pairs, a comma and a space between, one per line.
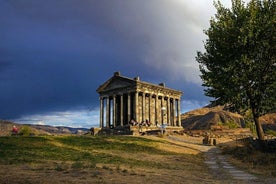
25, 131
251, 126
271, 132
229, 124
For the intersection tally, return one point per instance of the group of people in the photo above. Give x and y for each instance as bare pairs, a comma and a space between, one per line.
143, 123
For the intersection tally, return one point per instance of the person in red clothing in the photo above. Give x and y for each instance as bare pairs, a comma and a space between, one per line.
14, 130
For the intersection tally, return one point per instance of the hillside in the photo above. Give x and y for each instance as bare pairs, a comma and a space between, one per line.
206, 117
6, 127
268, 118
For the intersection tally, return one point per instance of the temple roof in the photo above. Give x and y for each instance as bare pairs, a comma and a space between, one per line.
118, 82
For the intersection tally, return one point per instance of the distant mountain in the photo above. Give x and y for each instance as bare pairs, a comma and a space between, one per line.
6, 127
206, 117
59, 129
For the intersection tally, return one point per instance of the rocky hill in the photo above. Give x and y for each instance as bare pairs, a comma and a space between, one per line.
6, 127
269, 121
208, 117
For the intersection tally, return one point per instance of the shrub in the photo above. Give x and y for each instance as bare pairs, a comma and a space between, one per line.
271, 132
25, 131
251, 126
229, 124
77, 165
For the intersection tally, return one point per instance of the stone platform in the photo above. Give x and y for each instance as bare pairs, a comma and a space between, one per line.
153, 130
137, 130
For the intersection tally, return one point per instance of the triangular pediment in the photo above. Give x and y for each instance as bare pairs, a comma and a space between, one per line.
116, 83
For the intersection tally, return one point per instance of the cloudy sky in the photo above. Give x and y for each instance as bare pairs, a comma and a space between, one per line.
54, 54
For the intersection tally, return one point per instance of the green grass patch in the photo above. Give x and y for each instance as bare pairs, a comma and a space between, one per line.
271, 132
80, 150
127, 143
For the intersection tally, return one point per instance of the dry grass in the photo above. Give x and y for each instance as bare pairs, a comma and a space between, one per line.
114, 159
244, 156
83, 159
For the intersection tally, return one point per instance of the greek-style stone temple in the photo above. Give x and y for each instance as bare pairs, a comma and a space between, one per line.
123, 99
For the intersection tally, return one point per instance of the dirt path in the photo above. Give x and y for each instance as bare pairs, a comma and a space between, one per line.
219, 166
222, 169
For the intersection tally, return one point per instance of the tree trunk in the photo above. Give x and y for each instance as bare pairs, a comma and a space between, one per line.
259, 128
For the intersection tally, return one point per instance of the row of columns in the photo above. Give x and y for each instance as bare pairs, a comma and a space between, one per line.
120, 109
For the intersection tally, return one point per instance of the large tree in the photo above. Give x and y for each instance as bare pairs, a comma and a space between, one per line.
238, 66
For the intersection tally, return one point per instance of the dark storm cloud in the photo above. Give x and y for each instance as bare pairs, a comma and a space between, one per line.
54, 54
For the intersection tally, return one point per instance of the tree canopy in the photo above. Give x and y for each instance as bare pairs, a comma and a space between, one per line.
238, 66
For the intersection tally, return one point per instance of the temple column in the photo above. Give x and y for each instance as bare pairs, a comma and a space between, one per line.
178, 113
128, 107
169, 111
143, 106
101, 112
156, 110
150, 108
173, 112
122, 109
107, 112
162, 112
136, 106
114, 110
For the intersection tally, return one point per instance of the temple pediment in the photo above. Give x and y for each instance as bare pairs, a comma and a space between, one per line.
116, 82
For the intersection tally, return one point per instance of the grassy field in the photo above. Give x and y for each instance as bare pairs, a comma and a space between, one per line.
117, 159
88, 159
